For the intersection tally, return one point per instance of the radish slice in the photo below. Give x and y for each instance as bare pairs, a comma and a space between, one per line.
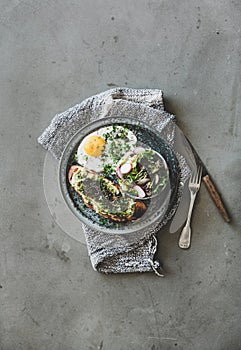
143, 181
140, 191
128, 154
125, 168
157, 178
139, 150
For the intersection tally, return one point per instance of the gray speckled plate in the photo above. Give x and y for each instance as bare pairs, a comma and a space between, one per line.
158, 207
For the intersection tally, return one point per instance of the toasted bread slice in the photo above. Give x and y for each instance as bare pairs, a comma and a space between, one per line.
118, 209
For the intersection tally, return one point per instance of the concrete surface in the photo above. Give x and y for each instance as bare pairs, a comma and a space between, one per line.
55, 53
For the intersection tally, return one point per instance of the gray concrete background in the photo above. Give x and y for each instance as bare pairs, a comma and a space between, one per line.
55, 53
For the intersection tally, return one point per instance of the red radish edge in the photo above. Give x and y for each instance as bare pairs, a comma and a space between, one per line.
140, 191
118, 172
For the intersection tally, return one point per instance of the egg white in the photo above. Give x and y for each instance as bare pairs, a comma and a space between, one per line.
97, 163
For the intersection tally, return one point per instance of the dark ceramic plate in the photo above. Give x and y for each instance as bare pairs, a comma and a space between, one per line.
157, 207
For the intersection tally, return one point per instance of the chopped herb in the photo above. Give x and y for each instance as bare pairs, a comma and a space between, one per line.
76, 157
108, 169
103, 221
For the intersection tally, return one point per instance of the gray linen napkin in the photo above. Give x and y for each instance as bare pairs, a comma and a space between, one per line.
117, 253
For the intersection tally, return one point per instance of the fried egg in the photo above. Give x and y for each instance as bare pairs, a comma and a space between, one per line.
105, 146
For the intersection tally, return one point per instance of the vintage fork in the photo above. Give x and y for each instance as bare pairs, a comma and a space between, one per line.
194, 185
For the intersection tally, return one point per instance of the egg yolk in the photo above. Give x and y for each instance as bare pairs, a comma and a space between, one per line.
94, 146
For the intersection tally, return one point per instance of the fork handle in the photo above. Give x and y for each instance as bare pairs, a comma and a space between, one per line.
185, 237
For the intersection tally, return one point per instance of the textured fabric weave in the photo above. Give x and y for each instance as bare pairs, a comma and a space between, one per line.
116, 253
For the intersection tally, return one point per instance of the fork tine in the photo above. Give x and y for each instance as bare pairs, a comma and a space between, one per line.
196, 176
193, 176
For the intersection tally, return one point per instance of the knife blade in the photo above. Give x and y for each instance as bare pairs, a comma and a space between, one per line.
212, 189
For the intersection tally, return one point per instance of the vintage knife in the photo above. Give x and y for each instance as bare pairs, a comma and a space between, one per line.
210, 186
184, 147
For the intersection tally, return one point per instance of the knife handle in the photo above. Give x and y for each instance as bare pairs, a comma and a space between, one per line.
216, 197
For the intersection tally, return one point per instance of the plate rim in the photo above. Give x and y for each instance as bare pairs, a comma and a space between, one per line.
63, 163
